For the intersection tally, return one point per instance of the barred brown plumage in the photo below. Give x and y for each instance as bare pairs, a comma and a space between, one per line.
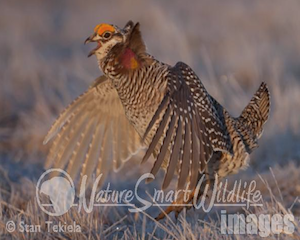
143, 103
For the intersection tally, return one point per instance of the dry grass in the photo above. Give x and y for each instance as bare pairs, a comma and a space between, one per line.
232, 45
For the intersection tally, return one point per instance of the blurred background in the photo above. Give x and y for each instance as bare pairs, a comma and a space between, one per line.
233, 46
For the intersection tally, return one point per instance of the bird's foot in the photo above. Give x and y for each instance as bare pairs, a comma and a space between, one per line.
177, 207
183, 202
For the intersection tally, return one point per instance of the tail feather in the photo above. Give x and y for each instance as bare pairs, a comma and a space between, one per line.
255, 114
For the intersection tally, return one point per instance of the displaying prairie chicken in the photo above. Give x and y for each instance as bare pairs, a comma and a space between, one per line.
140, 102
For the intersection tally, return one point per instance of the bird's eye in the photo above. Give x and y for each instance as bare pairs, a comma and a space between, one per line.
107, 35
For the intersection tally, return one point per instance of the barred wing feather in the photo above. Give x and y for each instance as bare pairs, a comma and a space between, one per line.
194, 129
93, 133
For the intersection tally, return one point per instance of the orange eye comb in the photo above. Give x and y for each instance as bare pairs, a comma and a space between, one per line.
101, 28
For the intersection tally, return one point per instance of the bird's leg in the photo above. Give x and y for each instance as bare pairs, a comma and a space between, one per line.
178, 205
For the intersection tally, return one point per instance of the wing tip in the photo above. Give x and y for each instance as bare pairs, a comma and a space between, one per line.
47, 139
50, 135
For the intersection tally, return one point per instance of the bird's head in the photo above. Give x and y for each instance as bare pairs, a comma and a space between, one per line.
114, 41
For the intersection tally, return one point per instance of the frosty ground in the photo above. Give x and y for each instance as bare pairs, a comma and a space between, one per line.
232, 46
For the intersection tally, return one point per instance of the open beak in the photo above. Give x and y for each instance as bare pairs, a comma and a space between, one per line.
92, 38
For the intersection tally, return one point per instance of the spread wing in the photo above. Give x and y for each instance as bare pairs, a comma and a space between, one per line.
194, 128
93, 133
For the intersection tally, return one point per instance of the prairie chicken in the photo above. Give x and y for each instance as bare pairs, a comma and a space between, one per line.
141, 102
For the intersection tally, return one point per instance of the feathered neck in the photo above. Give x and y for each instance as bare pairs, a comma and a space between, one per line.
128, 56
129, 60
